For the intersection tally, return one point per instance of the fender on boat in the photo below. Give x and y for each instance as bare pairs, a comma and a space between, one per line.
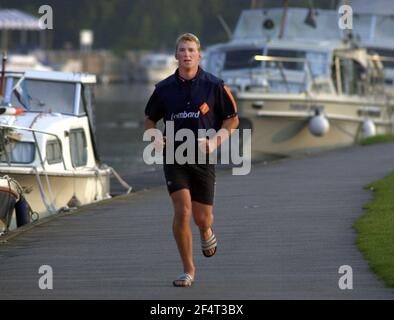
22, 212
368, 128
318, 125
11, 111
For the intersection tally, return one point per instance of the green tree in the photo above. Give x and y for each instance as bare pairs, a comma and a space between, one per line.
144, 24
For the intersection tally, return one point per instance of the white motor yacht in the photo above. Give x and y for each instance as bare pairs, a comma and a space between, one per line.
22, 62
298, 87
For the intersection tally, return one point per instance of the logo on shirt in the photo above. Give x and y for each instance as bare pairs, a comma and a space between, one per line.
185, 115
204, 108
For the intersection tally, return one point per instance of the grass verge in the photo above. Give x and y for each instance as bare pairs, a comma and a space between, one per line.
377, 139
375, 229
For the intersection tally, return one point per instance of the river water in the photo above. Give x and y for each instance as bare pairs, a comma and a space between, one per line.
119, 117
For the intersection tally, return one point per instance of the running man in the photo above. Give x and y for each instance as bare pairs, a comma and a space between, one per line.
193, 99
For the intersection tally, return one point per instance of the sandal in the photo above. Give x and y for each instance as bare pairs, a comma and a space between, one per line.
209, 244
184, 280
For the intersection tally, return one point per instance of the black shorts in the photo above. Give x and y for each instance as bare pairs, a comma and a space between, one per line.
198, 178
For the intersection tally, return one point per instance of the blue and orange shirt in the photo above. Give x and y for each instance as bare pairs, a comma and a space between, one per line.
201, 103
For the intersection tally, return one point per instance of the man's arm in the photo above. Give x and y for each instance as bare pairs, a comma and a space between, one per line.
229, 108
149, 124
229, 125
227, 129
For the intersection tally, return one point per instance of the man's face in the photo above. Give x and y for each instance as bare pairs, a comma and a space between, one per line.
188, 55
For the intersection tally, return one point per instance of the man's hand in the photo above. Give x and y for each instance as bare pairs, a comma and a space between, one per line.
207, 146
159, 143
210, 145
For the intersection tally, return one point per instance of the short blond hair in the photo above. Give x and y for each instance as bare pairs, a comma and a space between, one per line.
187, 37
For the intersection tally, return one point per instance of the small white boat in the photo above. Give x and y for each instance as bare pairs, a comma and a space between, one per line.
154, 67
21, 62
47, 140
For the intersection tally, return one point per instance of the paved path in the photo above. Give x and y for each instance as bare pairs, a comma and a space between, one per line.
283, 232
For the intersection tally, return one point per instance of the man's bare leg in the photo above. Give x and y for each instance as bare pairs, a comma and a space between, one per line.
203, 217
181, 201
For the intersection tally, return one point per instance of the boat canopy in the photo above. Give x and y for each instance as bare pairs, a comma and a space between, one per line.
12, 19
38, 91
379, 7
322, 24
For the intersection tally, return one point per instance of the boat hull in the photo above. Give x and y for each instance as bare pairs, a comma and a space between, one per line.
280, 130
7, 204
63, 190
8, 197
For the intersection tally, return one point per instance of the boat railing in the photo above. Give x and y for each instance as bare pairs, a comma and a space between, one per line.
302, 75
48, 204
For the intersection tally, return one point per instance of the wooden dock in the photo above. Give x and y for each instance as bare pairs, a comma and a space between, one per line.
284, 231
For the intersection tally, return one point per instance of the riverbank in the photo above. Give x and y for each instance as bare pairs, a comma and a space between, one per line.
377, 139
375, 229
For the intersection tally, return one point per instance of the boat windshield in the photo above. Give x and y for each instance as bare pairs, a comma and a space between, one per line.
245, 59
41, 95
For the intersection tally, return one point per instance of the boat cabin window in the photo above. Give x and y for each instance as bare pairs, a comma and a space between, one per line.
78, 147
53, 152
42, 96
18, 152
242, 59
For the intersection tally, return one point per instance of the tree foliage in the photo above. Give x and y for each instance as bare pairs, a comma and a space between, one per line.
140, 24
